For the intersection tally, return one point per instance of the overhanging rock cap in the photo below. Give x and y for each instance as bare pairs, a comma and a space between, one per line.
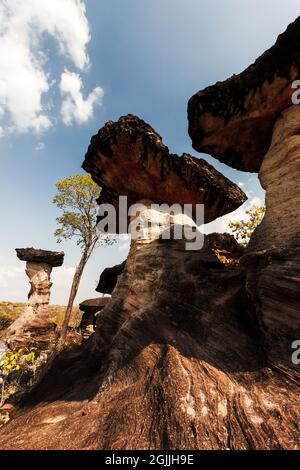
53, 258
233, 120
129, 158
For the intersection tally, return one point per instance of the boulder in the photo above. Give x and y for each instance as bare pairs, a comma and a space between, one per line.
53, 258
226, 248
132, 147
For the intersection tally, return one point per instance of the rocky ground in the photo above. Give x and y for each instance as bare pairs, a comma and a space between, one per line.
9, 311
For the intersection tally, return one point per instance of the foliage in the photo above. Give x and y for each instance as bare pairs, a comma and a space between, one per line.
15, 362
243, 229
76, 198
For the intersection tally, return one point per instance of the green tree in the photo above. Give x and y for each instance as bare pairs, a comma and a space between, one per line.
76, 198
243, 229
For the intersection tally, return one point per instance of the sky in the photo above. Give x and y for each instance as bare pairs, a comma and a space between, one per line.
68, 66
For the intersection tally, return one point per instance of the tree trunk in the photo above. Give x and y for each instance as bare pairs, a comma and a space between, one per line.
73, 293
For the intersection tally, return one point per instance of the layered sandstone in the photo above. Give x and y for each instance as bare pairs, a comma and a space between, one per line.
109, 278
128, 158
176, 362
33, 327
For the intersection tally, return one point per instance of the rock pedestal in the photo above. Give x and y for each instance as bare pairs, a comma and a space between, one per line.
90, 309
33, 328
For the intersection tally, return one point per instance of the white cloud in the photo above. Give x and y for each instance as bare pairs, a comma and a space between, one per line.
10, 273
221, 225
14, 284
62, 276
40, 146
24, 82
124, 247
74, 106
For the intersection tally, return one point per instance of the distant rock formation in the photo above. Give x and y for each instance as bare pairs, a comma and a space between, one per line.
193, 350
33, 327
90, 308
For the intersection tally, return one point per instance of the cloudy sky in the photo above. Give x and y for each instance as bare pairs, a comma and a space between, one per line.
67, 66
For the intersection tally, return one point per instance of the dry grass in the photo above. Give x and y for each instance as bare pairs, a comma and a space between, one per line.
9, 311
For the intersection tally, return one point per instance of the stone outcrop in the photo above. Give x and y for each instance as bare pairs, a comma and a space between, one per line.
33, 255
233, 120
191, 352
90, 308
132, 147
226, 248
176, 361
250, 123
272, 258
109, 277
33, 327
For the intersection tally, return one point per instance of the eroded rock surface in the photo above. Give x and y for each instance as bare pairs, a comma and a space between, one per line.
233, 120
33, 327
165, 369
90, 308
226, 248
109, 278
131, 147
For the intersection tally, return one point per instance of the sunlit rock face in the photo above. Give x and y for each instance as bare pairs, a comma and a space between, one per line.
233, 120
279, 175
128, 157
273, 255
33, 328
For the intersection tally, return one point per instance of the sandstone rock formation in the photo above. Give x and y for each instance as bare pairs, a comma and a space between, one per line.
90, 308
33, 327
226, 248
133, 148
250, 123
191, 353
233, 120
109, 277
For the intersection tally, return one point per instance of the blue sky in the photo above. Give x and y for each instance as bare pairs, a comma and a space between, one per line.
114, 58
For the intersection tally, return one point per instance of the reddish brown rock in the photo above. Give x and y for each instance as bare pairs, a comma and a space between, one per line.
93, 305
165, 370
250, 123
33, 327
226, 248
90, 308
129, 158
53, 258
109, 277
233, 120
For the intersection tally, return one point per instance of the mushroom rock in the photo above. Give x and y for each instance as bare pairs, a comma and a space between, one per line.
233, 120
93, 305
174, 356
109, 277
90, 308
251, 123
176, 362
131, 147
33, 327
